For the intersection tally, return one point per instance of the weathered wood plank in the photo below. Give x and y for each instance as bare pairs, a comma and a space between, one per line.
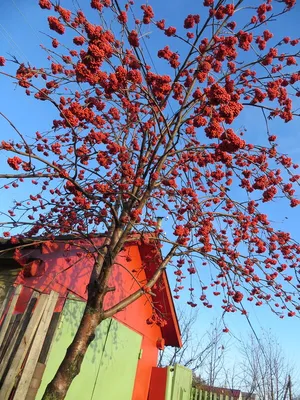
49, 337
13, 325
20, 355
35, 381
9, 313
16, 338
6, 300
41, 365
38, 375
36, 347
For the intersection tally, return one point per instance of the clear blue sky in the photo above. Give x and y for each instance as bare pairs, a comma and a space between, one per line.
20, 25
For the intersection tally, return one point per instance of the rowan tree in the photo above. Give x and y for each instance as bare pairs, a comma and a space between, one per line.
141, 134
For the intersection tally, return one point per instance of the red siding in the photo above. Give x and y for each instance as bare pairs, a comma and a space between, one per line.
157, 389
145, 364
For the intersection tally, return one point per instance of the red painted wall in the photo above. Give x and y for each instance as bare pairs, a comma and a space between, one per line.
157, 389
128, 275
144, 369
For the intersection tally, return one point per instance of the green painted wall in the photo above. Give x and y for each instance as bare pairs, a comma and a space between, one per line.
169, 383
109, 367
182, 383
179, 383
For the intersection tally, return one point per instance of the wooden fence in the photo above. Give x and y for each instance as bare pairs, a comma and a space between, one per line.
204, 394
24, 343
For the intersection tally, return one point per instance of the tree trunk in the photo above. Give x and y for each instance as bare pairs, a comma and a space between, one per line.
71, 364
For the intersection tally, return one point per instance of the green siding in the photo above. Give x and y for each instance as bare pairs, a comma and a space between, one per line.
169, 383
118, 368
182, 383
179, 383
109, 367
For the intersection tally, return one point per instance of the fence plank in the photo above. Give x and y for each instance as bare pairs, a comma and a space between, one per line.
20, 355
193, 393
6, 300
36, 347
6, 343
9, 314
35, 381
16, 337
49, 338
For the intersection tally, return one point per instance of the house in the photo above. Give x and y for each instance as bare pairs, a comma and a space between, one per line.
120, 360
